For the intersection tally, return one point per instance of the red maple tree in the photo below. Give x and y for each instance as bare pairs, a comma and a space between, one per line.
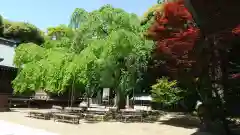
175, 34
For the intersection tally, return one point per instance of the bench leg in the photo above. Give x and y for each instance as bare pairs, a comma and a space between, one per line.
74, 120
102, 118
54, 118
77, 121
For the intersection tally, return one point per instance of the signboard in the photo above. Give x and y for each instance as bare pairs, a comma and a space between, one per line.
106, 92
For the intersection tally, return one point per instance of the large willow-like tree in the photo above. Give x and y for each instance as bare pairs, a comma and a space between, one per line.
107, 50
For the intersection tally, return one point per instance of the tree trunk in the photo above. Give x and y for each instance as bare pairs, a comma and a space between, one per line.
88, 102
99, 96
217, 107
121, 100
111, 97
88, 96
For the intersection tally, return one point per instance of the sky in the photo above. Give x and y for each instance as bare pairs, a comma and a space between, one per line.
46, 13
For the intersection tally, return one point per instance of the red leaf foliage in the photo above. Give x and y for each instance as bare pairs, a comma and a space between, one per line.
234, 76
236, 31
174, 33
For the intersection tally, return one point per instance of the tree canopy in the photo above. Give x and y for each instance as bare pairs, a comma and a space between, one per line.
100, 53
60, 31
22, 32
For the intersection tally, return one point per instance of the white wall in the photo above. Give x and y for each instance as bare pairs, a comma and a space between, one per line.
7, 52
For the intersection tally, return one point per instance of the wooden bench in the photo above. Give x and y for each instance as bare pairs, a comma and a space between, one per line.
96, 114
57, 107
93, 115
73, 110
74, 119
131, 115
40, 114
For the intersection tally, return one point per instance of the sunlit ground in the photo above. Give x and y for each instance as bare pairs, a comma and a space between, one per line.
8, 128
15, 123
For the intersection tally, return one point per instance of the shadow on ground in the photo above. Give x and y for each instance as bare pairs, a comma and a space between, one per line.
205, 133
91, 121
234, 129
182, 121
201, 133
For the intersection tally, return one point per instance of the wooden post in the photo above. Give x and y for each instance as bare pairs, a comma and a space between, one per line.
4, 102
127, 101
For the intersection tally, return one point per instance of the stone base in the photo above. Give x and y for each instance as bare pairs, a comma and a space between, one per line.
4, 102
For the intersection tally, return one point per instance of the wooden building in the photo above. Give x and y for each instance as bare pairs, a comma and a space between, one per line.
7, 71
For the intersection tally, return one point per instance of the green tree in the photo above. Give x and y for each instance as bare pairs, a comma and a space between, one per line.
123, 59
123, 53
23, 32
77, 18
107, 50
60, 31
167, 92
40, 68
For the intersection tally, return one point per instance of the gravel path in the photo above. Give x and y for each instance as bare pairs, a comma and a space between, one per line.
101, 128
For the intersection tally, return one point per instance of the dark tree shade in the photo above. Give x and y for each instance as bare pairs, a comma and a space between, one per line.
213, 16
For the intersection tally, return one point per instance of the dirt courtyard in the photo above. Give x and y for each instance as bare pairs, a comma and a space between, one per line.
101, 128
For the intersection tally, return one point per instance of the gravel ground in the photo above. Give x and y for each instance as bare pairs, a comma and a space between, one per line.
101, 128
7, 129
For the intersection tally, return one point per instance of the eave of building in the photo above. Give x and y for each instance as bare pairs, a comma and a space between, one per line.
6, 68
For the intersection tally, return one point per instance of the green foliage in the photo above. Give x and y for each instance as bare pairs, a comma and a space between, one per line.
26, 53
7, 24
28, 79
22, 32
106, 49
159, 1
77, 18
124, 55
63, 43
60, 31
111, 41
43, 69
148, 17
167, 92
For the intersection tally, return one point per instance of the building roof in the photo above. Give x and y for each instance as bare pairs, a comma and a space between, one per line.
7, 52
8, 42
